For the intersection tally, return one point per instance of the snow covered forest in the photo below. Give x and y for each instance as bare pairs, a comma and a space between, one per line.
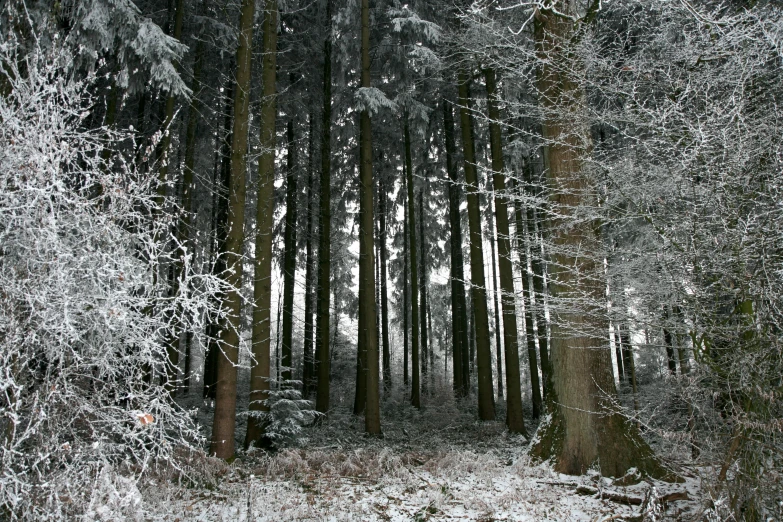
377, 260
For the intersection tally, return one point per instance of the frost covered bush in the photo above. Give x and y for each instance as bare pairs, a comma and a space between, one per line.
286, 414
82, 314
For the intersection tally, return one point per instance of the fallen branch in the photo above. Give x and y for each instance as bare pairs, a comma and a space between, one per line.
610, 495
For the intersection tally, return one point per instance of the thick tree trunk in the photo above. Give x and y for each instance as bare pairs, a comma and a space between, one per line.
459, 324
582, 432
424, 352
415, 384
222, 444
307, 355
514, 419
527, 290
486, 399
289, 256
387, 376
322, 347
262, 284
367, 330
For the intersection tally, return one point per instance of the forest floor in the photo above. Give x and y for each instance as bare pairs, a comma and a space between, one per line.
433, 464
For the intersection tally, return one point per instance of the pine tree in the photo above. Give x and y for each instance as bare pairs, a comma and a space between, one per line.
322, 348
262, 275
486, 399
514, 419
222, 444
367, 330
459, 322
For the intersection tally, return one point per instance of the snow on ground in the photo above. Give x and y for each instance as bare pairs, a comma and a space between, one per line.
386, 485
437, 463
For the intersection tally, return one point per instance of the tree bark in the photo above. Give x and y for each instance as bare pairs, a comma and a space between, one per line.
514, 419
307, 355
498, 343
185, 222
367, 330
424, 352
289, 261
172, 339
322, 347
537, 299
405, 278
415, 384
581, 431
265, 209
459, 326
618, 352
222, 175
486, 399
387, 377
222, 444
527, 290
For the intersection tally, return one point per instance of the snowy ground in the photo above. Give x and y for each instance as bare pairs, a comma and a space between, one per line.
383, 485
437, 463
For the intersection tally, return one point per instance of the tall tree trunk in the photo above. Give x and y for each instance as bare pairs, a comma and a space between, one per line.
514, 419
431, 351
220, 184
498, 343
471, 342
378, 289
415, 384
265, 209
459, 326
423, 290
527, 290
222, 444
360, 388
405, 278
322, 350
486, 399
582, 431
185, 222
172, 339
168, 115
537, 299
289, 261
387, 376
307, 356
372, 416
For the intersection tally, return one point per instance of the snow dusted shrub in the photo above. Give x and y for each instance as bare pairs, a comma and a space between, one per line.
286, 416
82, 314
